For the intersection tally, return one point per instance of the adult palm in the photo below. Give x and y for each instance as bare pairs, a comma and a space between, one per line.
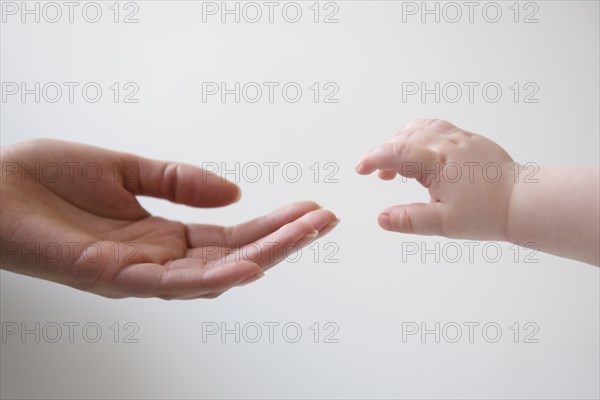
69, 214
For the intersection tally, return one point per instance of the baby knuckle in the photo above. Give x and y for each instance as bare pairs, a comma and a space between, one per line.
402, 222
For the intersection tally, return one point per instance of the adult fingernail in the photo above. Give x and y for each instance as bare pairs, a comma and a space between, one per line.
333, 224
252, 278
309, 237
358, 166
327, 228
384, 221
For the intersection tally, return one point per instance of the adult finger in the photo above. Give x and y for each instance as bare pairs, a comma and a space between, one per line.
247, 232
278, 245
177, 182
183, 278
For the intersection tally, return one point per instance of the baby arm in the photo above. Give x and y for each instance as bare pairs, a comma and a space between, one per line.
560, 213
478, 192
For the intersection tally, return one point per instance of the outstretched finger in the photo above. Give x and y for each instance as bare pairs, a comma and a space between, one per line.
184, 278
177, 182
288, 239
407, 159
238, 235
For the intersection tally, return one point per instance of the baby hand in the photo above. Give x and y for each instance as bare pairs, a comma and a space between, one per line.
470, 181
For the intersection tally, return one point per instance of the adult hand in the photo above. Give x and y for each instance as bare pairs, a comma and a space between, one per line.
70, 215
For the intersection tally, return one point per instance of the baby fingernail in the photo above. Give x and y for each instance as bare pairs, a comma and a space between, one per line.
384, 221
358, 166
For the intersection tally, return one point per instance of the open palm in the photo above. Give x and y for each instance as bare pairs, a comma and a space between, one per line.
70, 215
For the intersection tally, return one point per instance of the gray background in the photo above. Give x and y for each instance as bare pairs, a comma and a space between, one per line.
370, 292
